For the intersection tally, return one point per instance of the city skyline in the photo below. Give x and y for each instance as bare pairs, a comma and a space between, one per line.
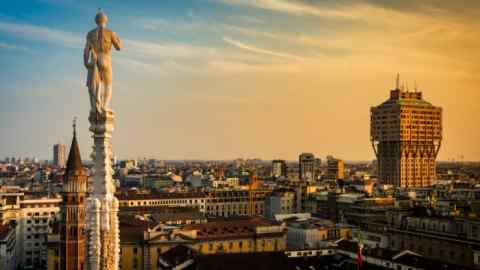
227, 79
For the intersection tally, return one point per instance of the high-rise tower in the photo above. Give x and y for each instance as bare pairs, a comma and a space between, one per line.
72, 224
306, 166
406, 133
59, 155
335, 168
279, 168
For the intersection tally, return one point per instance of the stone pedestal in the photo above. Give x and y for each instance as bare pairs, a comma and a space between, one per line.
102, 206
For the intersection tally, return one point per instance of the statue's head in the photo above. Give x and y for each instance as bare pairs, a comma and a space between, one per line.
101, 18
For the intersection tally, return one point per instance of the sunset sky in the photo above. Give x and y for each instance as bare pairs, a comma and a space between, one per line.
223, 79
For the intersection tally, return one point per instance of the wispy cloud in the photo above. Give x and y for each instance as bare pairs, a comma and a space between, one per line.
254, 49
252, 32
43, 34
150, 24
148, 49
192, 24
138, 51
291, 7
248, 19
136, 48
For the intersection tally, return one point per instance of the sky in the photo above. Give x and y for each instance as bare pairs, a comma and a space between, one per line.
224, 79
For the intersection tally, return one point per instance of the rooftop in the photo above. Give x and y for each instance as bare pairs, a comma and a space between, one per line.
159, 195
231, 227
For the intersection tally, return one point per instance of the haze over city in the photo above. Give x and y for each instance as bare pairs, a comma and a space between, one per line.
224, 79
239, 134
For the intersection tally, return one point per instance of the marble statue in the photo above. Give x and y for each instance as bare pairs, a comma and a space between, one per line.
101, 205
97, 60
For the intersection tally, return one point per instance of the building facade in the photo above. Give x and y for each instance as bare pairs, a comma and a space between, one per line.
143, 243
448, 239
307, 166
8, 247
186, 199
223, 203
34, 224
406, 132
315, 233
280, 202
10, 204
335, 168
59, 155
279, 168
235, 203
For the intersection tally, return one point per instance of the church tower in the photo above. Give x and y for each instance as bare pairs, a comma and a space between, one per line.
72, 223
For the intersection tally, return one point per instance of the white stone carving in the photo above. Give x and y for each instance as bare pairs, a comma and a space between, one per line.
102, 206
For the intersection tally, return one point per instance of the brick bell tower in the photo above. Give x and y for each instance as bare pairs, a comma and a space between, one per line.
72, 223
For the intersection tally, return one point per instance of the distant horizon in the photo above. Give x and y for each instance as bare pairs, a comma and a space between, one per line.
231, 160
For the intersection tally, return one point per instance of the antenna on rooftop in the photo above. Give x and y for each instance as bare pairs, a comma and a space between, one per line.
74, 125
397, 87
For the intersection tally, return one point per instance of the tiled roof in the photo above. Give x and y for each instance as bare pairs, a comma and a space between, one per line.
160, 195
230, 228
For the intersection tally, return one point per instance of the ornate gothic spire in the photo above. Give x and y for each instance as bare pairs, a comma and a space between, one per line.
74, 162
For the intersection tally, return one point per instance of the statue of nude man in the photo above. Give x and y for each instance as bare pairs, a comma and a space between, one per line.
96, 58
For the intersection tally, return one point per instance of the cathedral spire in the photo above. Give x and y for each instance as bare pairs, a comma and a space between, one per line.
74, 162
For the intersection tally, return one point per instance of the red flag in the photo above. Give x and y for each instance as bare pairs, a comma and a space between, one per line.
359, 255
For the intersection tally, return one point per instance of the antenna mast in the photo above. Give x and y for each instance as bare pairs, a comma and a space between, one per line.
398, 82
